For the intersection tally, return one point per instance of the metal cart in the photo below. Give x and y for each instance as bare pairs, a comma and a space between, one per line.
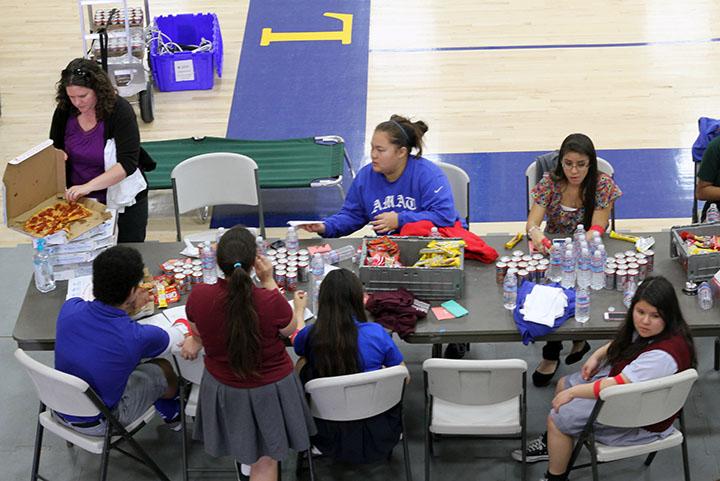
116, 37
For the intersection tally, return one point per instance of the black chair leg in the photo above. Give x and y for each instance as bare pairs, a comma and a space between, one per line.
105, 454
38, 446
717, 353
183, 421
311, 464
650, 458
406, 453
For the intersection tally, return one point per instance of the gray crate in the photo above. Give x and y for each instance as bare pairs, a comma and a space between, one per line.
427, 283
699, 267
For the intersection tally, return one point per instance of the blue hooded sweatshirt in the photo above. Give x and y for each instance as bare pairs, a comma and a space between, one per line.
422, 192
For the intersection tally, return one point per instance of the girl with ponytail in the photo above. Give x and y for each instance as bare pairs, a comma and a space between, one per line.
252, 405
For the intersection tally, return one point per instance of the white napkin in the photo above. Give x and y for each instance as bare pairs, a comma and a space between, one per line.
544, 304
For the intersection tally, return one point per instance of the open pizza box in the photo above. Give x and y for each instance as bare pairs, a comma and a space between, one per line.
36, 180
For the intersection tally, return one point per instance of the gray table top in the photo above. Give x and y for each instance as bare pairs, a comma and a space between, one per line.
487, 321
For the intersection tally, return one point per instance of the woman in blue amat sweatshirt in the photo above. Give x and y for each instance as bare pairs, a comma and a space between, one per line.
397, 188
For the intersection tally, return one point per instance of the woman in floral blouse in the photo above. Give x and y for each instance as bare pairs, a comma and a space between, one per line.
574, 193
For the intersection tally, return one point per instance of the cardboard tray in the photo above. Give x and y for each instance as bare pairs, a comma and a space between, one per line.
36, 180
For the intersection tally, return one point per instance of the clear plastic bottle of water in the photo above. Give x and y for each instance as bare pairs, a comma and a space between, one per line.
629, 291
317, 274
209, 266
336, 256
583, 271
705, 296
597, 268
220, 233
712, 214
579, 233
260, 243
510, 290
568, 269
44, 277
291, 239
582, 305
434, 232
556, 260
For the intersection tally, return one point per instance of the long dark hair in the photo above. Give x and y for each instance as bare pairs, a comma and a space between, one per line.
580, 144
86, 73
404, 133
236, 253
333, 343
659, 293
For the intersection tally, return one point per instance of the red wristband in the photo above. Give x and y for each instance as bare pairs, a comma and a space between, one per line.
596, 388
185, 323
292, 336
547, 243
619, 379
597, 228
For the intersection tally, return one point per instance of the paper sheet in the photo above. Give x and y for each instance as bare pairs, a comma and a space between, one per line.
308, 313
297, 223
441, 313
80, 287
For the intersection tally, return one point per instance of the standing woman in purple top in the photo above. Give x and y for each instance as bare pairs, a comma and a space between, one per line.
98, 131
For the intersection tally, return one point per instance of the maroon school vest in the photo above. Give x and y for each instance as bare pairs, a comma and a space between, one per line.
679, 349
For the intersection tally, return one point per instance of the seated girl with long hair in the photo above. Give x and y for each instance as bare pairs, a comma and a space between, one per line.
251, 406
342, 341
653, 342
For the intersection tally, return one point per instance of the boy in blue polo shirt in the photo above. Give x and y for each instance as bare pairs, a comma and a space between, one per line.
98, 342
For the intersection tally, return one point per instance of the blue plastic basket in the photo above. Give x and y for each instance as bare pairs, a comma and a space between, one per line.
187, 70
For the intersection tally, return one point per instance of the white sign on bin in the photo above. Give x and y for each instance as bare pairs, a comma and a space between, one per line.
184, 70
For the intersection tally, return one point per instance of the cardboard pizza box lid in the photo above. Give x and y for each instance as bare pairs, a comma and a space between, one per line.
35, 180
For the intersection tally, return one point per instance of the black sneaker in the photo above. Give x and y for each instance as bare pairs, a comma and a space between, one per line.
456, 350
536, 450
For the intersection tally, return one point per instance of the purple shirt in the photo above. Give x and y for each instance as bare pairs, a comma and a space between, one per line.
85, 151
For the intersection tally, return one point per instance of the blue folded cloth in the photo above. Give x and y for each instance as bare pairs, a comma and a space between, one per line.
530, 330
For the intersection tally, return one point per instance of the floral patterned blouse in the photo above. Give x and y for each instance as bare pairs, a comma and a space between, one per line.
561, 220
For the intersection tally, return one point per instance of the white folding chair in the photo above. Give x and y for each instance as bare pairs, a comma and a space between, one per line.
71, 395
532, 177
460, 184
636, 405
214, 179
475, 398
360, 396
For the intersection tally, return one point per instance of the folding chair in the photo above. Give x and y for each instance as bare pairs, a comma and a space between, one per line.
214, 179
545, 162
632, 406
475, 398
71, 395
460, 184
359, 396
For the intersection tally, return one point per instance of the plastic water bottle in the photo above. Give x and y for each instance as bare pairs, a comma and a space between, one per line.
510, 290
336, 256
597, 269
629, 292
583, 271
556, 260
568, 269
317, 274
579, 233
582, 305
712, 214
704, 295
291, 240
220, 233
44, 278
209, 265
434, 232
260, 243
